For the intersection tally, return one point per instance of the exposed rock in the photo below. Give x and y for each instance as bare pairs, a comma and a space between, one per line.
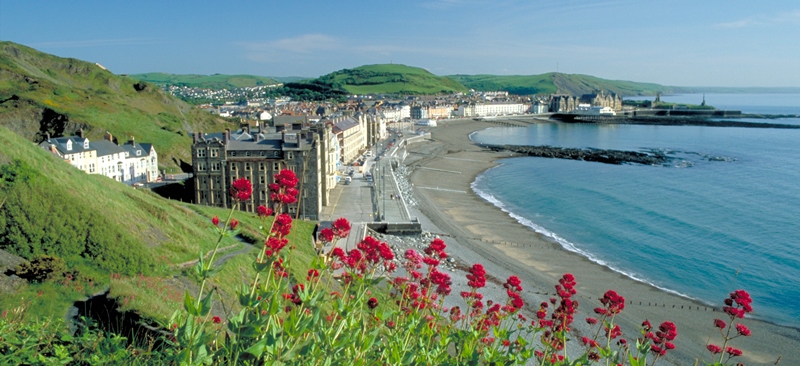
596, 155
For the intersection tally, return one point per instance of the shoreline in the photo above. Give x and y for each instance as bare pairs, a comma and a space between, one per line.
510, 246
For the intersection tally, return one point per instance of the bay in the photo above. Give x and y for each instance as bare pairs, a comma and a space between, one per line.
722, 216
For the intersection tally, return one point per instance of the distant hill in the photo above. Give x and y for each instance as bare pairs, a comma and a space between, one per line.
388, 79
216, 81
42, 93
550, 83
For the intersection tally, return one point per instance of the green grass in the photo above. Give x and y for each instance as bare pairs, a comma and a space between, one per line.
389, 78
216, 81
549, 83
124, 221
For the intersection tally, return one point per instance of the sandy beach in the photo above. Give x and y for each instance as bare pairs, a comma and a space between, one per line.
443, 169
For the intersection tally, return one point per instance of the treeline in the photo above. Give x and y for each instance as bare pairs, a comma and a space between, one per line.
36, 221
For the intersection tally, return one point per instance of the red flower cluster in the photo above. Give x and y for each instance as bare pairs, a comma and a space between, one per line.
513, 288
341, 227
283, 191
215, 220
738, 304
719, 323
714, 349
372, 303
241, 189
234, 223
476, 276
263, 211
613, 302
742, 330
216, 319
662, 339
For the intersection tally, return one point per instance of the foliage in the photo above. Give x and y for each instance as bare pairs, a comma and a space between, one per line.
574, 84
41, 268
215, 81
383, 79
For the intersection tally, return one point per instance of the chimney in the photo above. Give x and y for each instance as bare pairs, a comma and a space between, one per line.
226, 136
47, 136
80, 133
196, 137
248, 129
133, 142
109, 137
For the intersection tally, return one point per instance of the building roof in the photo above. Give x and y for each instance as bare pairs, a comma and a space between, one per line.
105, 148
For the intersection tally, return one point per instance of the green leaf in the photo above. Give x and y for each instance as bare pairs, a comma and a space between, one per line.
205, 304
188, 304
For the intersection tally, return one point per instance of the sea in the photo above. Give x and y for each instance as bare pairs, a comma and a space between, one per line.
723, 215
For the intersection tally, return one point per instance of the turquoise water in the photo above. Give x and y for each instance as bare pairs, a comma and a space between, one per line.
728, 204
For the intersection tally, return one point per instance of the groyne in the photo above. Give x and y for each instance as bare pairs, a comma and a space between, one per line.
597, 155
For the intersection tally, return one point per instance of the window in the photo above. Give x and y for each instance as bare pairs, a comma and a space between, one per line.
262, 153
233, 166
215, 166
233, 153
214, 153
201, 166
139, 152
290, 155
261, 179
262, 194
201, 153
246, 166
246, 153
261, 166
276, 166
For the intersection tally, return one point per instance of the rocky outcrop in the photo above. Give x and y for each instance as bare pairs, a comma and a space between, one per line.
596, 155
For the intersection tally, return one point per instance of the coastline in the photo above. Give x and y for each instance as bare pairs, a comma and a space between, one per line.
444, 169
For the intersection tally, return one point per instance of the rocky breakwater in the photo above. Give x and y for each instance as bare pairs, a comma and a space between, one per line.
588, 154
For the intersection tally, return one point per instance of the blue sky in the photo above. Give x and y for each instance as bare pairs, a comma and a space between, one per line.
683, 43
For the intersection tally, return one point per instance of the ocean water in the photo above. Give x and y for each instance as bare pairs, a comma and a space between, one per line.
724, 215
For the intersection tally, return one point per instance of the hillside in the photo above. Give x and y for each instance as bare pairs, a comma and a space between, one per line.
389, 79
42, 93
549, 83
99, 227
216, 81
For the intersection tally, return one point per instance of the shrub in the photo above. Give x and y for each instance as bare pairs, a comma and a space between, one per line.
41, 268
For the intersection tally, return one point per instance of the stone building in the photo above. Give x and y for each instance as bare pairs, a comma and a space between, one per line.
603, 99
258, 154
562, 103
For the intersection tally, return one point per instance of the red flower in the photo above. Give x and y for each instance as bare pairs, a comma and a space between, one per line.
713, 348
372, 303
215, 220
263, 211
733, 352
241, 189
477, 276
312, 273
234, 223
326, 234
742, 330
216, 320
614, 302
591, 321
719, 323
341, 227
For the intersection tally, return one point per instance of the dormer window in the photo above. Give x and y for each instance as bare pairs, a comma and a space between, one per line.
86, 144
138, 152
69, 145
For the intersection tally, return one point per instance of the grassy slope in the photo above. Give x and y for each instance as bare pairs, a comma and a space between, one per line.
390, 78
97, 100
574, 84
168, 232
216, 81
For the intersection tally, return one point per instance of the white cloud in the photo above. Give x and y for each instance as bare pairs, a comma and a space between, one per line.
791, 17
306, 43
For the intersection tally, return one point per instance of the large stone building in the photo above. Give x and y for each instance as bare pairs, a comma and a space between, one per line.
603, 99
258, 154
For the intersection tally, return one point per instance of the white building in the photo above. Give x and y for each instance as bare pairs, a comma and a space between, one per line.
594, 110
490, 109
130, 163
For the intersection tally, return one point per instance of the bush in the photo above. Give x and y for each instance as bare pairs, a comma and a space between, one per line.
41, 268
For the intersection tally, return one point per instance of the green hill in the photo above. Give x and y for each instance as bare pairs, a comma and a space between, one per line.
388, 79
549, 83
216, 81
99, 227
42, 93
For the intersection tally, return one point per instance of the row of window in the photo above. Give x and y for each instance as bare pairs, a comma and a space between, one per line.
214, 153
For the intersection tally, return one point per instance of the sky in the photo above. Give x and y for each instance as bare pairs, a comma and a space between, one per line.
676, 43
